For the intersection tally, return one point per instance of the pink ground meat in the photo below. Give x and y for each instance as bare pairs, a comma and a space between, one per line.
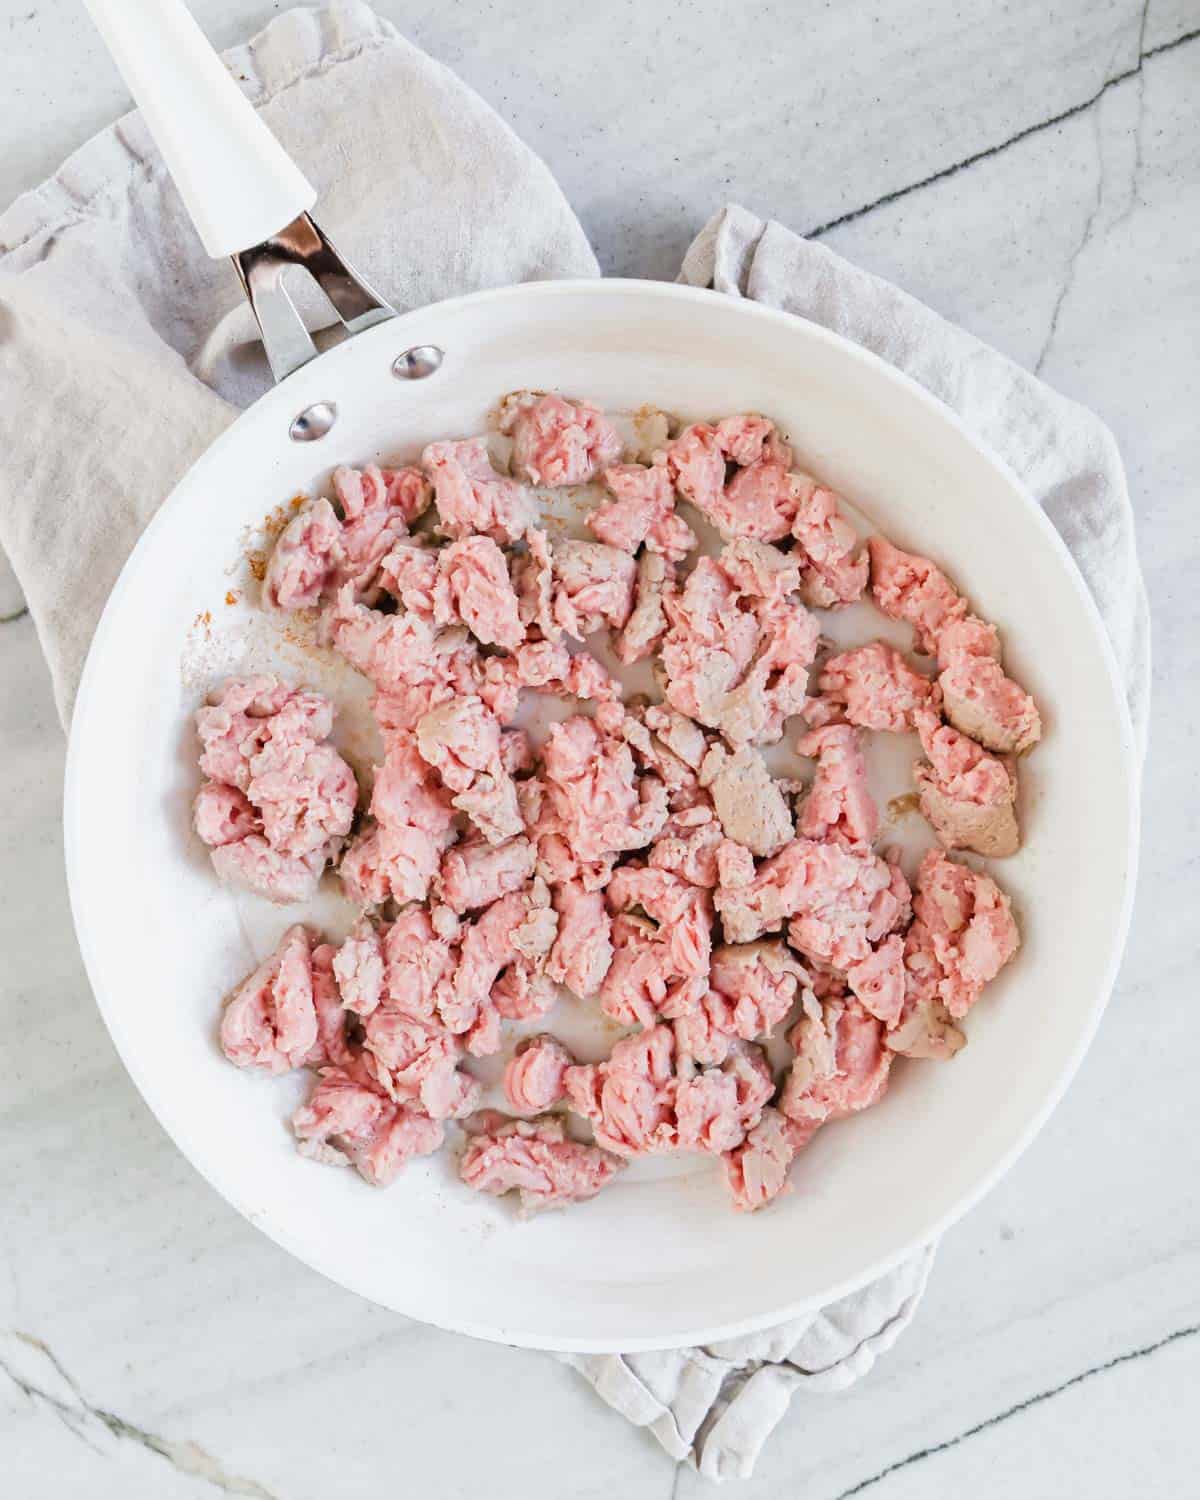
536, 1159
534, 1078
593, 587
557, 442
871, 686
493, 864
831, 576
966, 795
839, 805
345, 1120
910, 588
752, 988
756, 1171
279, 799
305, 558
925, 1028
471, 497
583, 947
636, 1104
475, 875
841, 1063
642, 511
474, 574
840, 900
982, 702
970, 924
270, 1021
600, 806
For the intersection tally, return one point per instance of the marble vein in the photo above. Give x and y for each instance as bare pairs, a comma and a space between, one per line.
17, 614
90, 1423
955, 168
922, 1454
1068, 281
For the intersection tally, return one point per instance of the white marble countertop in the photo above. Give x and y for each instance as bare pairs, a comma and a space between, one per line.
1033, 172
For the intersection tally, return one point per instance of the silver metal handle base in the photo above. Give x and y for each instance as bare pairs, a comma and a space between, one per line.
260, 269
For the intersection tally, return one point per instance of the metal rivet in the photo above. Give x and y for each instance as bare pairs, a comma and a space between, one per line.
313, 422
418, 362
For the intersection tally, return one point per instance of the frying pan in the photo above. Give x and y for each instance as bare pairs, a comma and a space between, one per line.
658, 1259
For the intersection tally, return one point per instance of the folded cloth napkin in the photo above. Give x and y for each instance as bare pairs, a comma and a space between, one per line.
141, 352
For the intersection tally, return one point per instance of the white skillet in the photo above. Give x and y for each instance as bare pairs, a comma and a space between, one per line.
658, 1259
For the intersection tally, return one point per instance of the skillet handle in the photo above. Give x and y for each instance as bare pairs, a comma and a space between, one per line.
245, 195
237, 182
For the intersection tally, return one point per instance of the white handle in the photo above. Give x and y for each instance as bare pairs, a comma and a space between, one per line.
237, 182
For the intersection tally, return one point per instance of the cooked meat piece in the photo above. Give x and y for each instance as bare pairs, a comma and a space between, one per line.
333, 1044
983, 703
498, 937
474, 576
417, 957
536, 1159
377, 506
555, 441
522, 994
680, 734
280, 799
583, 948
394, 651
759, 983
534, 1077
966, 794
925, 1028
473, 875
878, 980
715, 1109
697, 466
967, 636
346, 1120
682, 911
642, 510
533, 575
839, 804
970, 925
643, 982
269, 1020
831, 576
911, 588
471, 497
305, 558
756, 1171
449, 668
742, 671
461, 740
759, 571
224, 815
743, 439
872, 686
748, 800
600, 806
758, 501
841, 1063
647, 623
735, 864
253, 865
409, 573
841, 900
593, 587
359, 967
688, 846
636, 1104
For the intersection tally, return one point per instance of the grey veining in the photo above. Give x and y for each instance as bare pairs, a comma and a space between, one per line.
1034, 173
